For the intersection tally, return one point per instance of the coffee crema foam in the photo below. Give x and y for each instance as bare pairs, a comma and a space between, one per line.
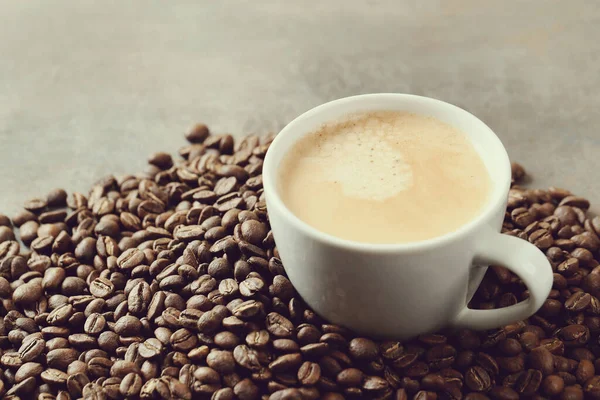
385, 177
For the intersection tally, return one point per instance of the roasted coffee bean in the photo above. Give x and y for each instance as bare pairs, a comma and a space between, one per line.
592, 387
248, 309
219, 268
99, 366
259, 339
512, 364
465, 359
350, 377
183, 340
517, 171
139, 298
102, 288
207, 375
76, 382
150, 348
53, 278
553, 385
128, 326
221, 361
363, 349
82, 341
130, 259
22, 389
31, 349
227, 340
254, 231
562, 364
56, 198
579, 301
503, 393
510, 347
197, 134
279, 326
374, 384
35, 205
417, 370
27, 293
73, 286
7, 234
61, 358
11, 359
424, 395
28, 231
585, 371
529, 340
54, 376
405, 360
441, 356
29, 369
433, 382
161, 160
528, 382
554, 345
94, 324
251, 286
487, 362
575, 335
131, 385
551, 308
541, 238
478, 379
581, 353
111, 387
469, 340
120, 368
309, 373
540, 358
286, 362
522, 217
285, 345
5, 221
572, 393
247, 358
21, 217
209, 321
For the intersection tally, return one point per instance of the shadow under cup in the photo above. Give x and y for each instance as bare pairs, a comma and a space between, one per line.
386, 290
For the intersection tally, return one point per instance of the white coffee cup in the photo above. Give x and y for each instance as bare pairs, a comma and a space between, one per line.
403, 290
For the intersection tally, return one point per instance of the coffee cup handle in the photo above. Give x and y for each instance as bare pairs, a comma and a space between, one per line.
526, 261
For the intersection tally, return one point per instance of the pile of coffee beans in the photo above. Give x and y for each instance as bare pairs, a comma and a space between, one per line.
167, 285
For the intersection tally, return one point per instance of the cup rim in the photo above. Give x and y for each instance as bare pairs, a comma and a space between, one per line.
274, 200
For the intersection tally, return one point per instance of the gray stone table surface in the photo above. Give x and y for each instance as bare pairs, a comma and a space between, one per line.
89, 88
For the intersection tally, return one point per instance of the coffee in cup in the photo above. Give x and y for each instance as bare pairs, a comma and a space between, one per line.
385, 177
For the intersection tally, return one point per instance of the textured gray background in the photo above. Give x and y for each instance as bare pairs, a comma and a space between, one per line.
92, 87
